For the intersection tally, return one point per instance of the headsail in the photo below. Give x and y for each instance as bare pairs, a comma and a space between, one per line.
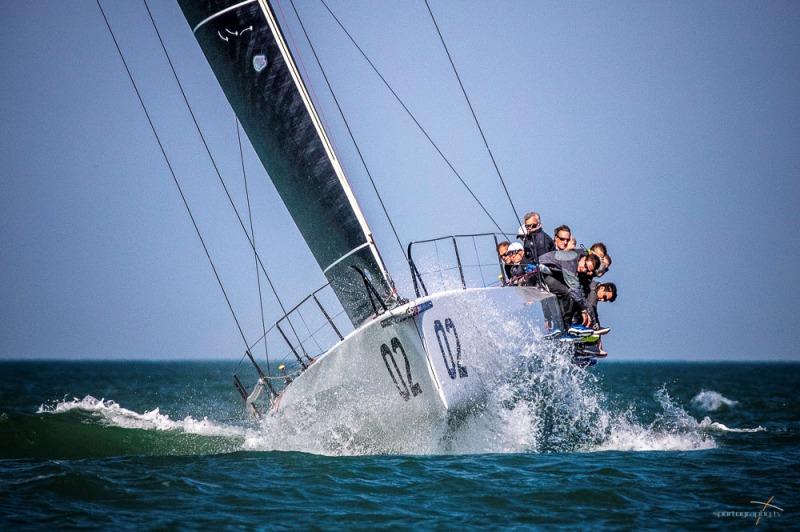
244, 45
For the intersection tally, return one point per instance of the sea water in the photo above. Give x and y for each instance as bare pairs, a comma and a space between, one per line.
620, 445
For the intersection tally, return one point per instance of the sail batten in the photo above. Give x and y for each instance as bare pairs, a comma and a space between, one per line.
245, 47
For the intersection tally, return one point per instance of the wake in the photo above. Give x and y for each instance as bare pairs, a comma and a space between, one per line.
711, 401
109, 413
542, 404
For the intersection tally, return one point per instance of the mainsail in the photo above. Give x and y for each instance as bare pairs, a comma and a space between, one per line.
244, 45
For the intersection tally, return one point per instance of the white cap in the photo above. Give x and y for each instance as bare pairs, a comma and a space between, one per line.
515, 246
522, 231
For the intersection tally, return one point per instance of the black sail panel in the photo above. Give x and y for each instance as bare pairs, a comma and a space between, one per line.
244, 46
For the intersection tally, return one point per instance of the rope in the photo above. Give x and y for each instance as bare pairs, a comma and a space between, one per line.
214, 162
411, 115
350, 132
474, 116
174, 176
253, 235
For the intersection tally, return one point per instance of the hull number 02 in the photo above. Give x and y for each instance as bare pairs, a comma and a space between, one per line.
406, 386
453, 365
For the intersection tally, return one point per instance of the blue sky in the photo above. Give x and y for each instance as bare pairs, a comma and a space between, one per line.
668, 130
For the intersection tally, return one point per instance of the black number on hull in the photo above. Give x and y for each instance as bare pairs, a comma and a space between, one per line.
453, 366
406, 389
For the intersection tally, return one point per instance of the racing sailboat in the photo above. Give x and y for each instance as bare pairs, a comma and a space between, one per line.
434, 355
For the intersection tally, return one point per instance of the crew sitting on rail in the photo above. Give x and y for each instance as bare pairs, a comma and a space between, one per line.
605, 292
570, 273
563, 272
599, 292
562, 236
599, 249
505, 259
502, 248
591, 285
516, 259
534, 239
520, 271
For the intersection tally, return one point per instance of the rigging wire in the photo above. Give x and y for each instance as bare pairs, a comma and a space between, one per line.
350, 131
214, 163
253, 235
258, 275
174, 177
478, 260
411, 115
474, 116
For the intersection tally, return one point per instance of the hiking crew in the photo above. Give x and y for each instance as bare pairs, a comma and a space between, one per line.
518, 264
563, 275
569, 272
599, 249
505, 259
600, 292
562, 235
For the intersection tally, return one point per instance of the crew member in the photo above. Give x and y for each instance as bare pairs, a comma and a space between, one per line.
562, 279
562, 236
534, 239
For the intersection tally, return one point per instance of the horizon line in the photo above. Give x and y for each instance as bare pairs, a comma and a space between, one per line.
226, 359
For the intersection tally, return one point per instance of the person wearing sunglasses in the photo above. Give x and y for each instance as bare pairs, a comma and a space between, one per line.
563, 272
534, 239
515, 260
502, 248
562, 236
519, 271
505, 259
604, 292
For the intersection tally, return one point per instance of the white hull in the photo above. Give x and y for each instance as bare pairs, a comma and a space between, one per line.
403, 374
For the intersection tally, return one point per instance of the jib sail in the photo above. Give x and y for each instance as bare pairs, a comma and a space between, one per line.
249, 56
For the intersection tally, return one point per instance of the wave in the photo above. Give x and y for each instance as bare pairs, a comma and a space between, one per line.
542, 403
672, 429
579, 423
707, 424
711, 401
97, 428
111, 413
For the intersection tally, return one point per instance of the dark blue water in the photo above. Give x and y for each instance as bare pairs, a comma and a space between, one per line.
645, 445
